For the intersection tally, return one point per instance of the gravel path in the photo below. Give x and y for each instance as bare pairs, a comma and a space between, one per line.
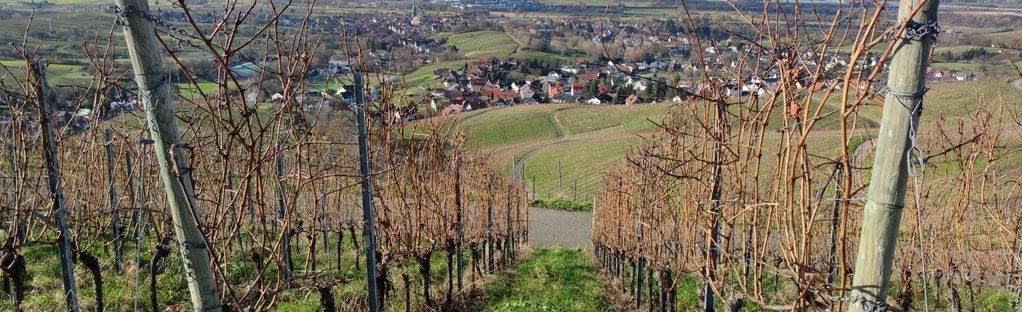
570, 229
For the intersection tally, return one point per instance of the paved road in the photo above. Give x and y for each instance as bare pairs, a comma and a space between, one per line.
549, 227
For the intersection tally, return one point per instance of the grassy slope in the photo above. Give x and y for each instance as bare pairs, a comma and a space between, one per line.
582, 162
44, 280
550, 280
595, 138
601, 135
502, 127
610, 119
479, 44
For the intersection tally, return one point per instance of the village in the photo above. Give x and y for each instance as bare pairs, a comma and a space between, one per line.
520, 61
569, 63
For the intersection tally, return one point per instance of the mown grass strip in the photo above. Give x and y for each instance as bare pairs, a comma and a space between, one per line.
549, 280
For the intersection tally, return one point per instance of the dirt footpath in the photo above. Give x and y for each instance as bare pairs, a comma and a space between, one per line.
570, 229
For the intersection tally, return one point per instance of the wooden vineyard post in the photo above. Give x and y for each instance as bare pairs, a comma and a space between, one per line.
151, 78
886, 196
56, 190
367, 195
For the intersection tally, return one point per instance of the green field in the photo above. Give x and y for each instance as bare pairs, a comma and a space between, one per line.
479, 44
502, 127
423, 76
592, 139
611, 119
544, 56
582, 164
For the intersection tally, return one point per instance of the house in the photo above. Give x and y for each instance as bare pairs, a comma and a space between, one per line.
962, 76
939, 74
526, 92
453, 109
246, 70
338, 63
632, 99
564, 97
589, 76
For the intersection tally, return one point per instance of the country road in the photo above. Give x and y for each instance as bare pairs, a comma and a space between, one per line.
560, 228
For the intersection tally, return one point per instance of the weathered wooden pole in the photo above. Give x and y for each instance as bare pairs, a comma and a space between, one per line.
367, 195
886, 197
56, 190
147, 62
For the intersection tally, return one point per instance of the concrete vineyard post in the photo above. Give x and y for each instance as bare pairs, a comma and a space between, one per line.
151, 77
885, 199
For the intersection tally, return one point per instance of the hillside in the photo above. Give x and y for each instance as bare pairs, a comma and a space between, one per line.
586, 139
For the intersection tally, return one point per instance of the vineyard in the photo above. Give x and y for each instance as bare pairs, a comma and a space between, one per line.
222, 203
779, 178
765, 198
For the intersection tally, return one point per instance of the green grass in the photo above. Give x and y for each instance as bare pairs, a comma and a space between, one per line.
545, 56
57, 75
607, 119
562, 204
188, 90
582, 162
479, 44
43, 282
1005, 36
510, 126
62, 1
550, 280
595, 139
423, 76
